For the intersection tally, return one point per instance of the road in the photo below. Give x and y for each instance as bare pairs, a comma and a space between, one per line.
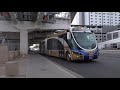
106, 66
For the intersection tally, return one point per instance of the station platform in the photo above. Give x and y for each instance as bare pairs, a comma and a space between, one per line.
37, 66
40, 67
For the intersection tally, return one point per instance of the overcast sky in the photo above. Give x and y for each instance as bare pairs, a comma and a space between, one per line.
76, 19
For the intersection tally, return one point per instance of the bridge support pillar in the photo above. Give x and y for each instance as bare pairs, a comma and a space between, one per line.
23, 42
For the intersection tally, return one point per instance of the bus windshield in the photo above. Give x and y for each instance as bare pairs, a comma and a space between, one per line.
85, 40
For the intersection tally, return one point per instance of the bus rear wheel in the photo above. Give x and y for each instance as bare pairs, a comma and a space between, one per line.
68, 58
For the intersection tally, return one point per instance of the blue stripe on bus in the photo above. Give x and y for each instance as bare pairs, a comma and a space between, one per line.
85, 54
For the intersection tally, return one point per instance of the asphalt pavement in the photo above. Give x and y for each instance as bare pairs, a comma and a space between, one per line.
106, 66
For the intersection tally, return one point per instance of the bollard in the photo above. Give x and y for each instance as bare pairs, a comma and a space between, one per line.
11, 68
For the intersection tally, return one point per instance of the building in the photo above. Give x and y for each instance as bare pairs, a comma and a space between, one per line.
97, 18
112, 40
101, 33
101, 18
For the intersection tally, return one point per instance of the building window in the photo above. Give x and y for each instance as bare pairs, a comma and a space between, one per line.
109, 37
115, 35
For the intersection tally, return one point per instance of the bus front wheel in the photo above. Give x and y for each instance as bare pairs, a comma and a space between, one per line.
68, 58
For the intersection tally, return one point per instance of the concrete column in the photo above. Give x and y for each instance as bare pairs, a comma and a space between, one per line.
23, 42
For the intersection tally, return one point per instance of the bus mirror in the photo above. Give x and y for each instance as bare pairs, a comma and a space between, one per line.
68, 35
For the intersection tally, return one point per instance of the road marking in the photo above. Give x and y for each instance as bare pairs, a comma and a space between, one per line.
73, 74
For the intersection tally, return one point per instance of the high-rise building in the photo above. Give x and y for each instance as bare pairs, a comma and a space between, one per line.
98, 18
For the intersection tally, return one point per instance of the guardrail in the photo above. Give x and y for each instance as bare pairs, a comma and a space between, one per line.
110, 51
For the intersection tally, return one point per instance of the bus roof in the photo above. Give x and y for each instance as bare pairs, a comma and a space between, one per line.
55, 34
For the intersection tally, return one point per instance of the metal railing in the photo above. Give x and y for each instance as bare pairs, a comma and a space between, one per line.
5, 16
27, 16
63, 15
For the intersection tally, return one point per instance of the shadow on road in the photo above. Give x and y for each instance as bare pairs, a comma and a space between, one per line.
64, 60
85, 61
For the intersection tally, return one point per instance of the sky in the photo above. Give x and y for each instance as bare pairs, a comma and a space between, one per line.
76, 19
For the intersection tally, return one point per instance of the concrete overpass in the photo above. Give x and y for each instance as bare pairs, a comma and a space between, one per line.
22, 23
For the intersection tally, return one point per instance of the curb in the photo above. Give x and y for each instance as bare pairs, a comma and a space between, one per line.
73, 74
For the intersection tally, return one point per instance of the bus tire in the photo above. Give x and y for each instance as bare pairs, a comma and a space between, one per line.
68, 58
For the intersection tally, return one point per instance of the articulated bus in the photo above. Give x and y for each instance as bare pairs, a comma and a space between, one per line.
72, 44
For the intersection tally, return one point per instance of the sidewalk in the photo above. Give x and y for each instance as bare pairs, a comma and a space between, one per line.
40, 67
37, 66
22, 69
110, 51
